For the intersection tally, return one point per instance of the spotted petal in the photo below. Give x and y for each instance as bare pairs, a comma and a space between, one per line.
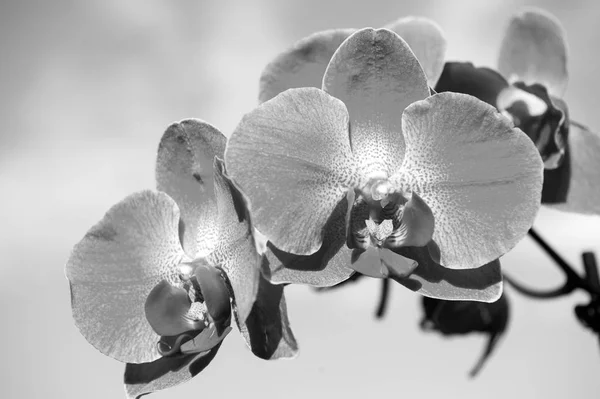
326, 267
267, 329
235, 252
427, 42
583, 194
534, 50
375, 73
481, 177
291, 157
116, 265
430, 279
166, 372
184, 170
302, 65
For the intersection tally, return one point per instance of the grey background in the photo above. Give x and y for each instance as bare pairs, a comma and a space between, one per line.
87, 89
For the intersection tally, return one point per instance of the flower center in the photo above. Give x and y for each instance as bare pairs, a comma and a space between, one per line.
179, 311
376, 215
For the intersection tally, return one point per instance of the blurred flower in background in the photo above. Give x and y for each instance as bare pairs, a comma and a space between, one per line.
304, 63
451, 318
528, 88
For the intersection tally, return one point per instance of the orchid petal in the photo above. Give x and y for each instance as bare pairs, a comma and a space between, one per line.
291, 157
302, 65
235, 252
166, 372
381, 263
267, 329
583, 149
483, 284
113, 269
534, 50
330, 265
184, 170
481, 177
376, 75
427, 41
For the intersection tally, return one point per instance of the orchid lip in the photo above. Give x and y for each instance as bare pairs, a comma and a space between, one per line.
169, 346
178, 312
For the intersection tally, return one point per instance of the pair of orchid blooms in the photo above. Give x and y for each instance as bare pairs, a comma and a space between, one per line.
368, 153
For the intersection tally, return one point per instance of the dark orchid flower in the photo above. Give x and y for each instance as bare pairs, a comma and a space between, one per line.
372, 174
528, 88
465, 317
304, 63
152, 284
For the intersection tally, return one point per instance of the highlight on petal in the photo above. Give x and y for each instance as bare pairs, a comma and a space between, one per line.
166, 372
184, 170
481, 177
583, 195
267, 330
113, 269
302, 65
291, 157
463, 77
483, 284
427, 41
235, 252
375, 73
534, 50
329, 266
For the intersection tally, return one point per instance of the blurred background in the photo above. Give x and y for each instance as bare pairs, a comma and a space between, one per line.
87, 90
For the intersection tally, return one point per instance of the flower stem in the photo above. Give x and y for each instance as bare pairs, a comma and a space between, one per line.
383, 299
591, 283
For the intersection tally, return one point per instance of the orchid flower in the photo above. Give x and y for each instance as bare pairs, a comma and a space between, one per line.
451, 318
528, 87
372, 174
304, 63
152, 284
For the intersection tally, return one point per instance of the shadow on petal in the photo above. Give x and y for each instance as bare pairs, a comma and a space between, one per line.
329, 266
235, 252
267, 329
166, 372
430, 279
